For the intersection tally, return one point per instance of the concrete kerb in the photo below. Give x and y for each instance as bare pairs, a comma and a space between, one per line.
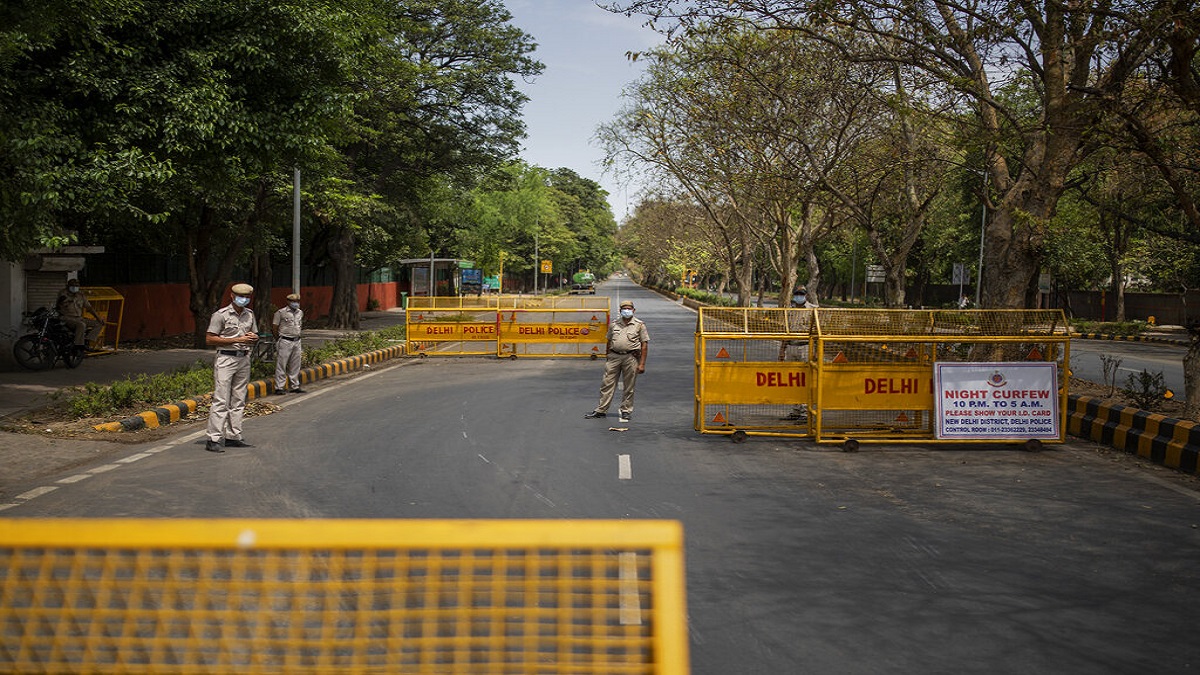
173, 412
1179, 342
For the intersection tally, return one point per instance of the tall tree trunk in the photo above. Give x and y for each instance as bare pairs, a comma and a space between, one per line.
343, 306
1191, 376
260, 271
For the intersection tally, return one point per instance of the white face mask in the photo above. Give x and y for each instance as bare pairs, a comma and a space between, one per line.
627, 314
294, 305
73, 288
799, 299
241, 300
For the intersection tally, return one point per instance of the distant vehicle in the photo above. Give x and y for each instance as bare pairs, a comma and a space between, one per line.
584, 283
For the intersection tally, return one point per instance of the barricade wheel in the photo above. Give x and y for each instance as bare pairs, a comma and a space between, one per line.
513, 357
594, 357
423, 355
738, 436
850, 445
1033, 445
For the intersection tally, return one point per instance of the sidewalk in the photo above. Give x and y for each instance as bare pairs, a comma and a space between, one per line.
25, 457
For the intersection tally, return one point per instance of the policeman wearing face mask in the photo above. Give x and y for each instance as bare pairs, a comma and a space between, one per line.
233, 331
800, 298
286, 326
628, 345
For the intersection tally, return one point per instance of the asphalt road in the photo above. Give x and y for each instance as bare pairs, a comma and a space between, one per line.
1132, 358
800, 558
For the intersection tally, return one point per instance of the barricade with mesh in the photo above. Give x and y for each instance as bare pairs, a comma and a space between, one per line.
507, 326
839, 374
157, 596
754, 370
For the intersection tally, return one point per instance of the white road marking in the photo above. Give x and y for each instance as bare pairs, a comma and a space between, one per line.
102, 469
624, 467
74, 479
630, 603
134, 458
7, 506
36, 492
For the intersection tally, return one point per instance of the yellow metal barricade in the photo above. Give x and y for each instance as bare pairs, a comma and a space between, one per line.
346, 596
465, 330
552, 332
854, 375
754, 371
507, 326
109, 305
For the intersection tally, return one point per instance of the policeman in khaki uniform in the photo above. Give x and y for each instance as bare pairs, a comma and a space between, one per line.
233, 331
286, 327
71, 305
628, 344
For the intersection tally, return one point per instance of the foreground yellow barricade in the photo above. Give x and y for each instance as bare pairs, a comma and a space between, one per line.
325, 596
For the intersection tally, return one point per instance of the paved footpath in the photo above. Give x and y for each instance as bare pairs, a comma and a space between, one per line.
25, 457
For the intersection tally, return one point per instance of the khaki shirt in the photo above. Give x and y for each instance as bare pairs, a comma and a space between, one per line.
226, 322
72, 304
623, 337
288, 321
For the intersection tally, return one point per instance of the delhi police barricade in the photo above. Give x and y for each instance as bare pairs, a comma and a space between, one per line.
451, 326
508, 326
861, 375
345, 596
558, 326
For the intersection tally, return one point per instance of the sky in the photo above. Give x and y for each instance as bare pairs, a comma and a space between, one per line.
583, 48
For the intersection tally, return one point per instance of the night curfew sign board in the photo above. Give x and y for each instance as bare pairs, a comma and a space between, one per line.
1012, 401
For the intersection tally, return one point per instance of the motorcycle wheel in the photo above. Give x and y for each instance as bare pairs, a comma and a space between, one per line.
73, 356
35, 353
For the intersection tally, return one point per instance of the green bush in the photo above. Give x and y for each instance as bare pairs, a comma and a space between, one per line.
96, 400
1109, 327
148, 391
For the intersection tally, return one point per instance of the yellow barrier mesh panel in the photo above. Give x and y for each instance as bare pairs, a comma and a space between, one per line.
459, 331
341, 596
562, 331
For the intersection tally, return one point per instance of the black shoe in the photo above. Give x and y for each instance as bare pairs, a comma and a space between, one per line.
299, 391
213, 446
236, 443
594, 414
280, 392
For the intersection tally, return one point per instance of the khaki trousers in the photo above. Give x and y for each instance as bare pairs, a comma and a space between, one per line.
287, 363
80, 325
231, 375
625, 367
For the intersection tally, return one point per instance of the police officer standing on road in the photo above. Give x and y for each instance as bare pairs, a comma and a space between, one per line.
71, 304
628, 344
286, 327
233, 331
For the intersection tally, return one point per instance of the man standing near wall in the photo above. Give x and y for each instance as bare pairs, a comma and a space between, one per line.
233, 331
286, 326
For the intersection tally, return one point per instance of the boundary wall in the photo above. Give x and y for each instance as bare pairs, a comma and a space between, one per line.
347, 596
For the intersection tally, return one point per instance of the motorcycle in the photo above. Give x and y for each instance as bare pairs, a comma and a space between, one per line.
51, 340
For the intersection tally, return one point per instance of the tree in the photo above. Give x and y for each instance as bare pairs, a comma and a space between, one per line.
1074, 56
435, 105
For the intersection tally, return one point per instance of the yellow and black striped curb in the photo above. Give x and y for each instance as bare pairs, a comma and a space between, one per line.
1163, 440
173, 412
1182, 342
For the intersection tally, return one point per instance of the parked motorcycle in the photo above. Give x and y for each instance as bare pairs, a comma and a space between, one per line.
51, 340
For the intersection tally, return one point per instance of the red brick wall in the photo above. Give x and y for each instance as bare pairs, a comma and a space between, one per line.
158, 310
